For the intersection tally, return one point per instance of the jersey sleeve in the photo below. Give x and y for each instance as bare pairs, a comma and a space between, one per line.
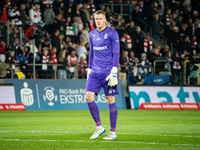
91, 52
115, 48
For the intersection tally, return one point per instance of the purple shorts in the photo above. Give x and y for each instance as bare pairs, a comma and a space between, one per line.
96, 81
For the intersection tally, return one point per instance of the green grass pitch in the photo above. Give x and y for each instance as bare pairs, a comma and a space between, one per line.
136, 129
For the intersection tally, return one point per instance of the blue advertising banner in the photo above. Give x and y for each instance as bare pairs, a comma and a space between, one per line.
59, 94
163, 94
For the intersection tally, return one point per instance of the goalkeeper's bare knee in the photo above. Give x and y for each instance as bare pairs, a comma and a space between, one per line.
89, 97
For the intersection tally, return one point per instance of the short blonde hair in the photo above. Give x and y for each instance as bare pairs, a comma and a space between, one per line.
100, 12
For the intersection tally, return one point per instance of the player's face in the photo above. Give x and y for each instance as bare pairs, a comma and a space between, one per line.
100, 20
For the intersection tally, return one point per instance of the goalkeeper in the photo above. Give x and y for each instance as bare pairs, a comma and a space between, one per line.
102, 72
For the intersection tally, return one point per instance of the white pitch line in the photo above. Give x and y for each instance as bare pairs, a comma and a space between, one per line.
92, 141
72, 132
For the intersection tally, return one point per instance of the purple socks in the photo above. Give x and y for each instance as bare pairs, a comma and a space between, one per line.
94, 110
113, 116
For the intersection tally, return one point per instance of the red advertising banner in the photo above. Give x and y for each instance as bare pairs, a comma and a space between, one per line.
170, 106
12, 107
2, 107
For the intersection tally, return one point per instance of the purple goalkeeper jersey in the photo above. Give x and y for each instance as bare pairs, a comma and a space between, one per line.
104, 50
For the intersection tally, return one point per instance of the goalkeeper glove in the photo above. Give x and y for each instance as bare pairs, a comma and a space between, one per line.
88, 72
112, 78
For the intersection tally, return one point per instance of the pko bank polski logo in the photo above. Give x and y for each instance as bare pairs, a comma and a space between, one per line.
49, 95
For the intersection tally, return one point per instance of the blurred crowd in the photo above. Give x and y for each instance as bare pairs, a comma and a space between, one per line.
56, 32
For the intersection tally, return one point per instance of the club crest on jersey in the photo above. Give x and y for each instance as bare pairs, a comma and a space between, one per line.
105, 36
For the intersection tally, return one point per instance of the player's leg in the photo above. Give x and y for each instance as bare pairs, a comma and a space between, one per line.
94, 110
113, 117
93, 86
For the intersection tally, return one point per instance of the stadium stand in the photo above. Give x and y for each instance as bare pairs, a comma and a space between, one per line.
159, 37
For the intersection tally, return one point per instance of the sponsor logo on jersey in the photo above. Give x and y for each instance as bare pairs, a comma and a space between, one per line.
99, 48
98, 39
93, 35
117, 41
105, 36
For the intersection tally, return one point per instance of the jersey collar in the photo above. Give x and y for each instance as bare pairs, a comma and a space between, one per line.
102, 30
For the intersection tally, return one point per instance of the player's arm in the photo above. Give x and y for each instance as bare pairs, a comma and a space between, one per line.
90, 56
112, 78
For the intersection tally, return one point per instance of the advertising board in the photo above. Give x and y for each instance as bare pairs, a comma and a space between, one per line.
59, 94
162, 94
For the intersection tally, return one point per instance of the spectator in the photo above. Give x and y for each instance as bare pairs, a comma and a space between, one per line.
16, 44
91, 22
23, 15
62, 61
193, 73
85, 15
148, 45
91, 7
145, 64
176, 68
78, 27
133, 61
69, 13
184, 10
60, 9
168, 18
44, 60
156, 28
3, 66
48, 17
44, 43
58, 23
82, 69
62, 43
189, 26
124, 60
131, 79
70, 28
131, 30
142, 9
20, 57
2, 47
15, 15
164, 50
4, 13
29, 58
183, 31
126, 42
184, 44
72, 59
119, 23
136, 14
193, 44
10, 59
175, 36
77, 11
53, 57
155, 55
56, 40
18, 74
35, 14
138, 42
179, 21
176, 5
85, 35
81, 51
30, 44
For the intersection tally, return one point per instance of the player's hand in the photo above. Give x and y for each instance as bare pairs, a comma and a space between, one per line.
112, 78
88, 72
